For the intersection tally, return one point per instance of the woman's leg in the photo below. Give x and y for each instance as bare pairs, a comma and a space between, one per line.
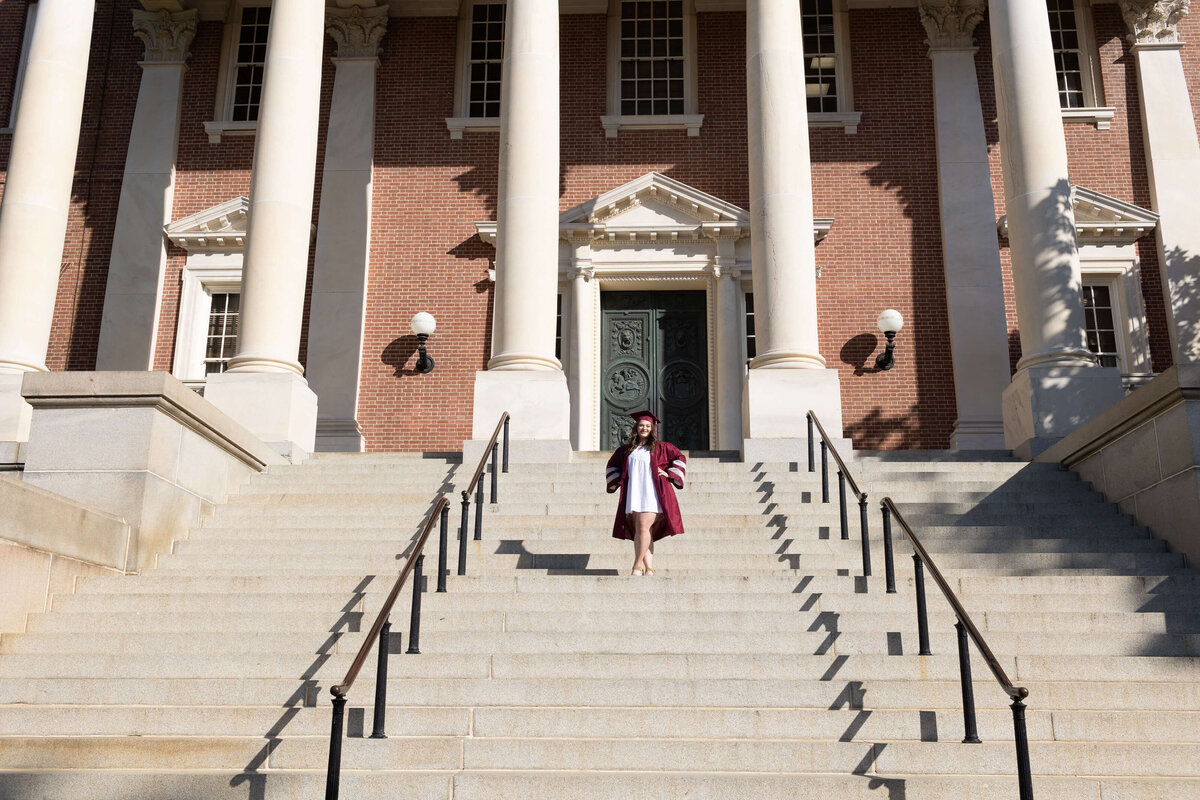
648, 558
642, 521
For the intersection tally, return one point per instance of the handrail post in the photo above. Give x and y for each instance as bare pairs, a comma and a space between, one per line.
479, 511
381, 673
505, 466
971, 733
462, 535
866, 539
922, 617
443, 546
811, 466
1024, 779
889, 565
495, 477
333, 774
824, 472
414, 623
842, 505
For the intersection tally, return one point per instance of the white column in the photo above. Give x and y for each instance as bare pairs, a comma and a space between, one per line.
37, 198
336, 312
523, 376
583, 364
787, 376
1058, 385
970, 251
264, 388
139, 253
1173, 157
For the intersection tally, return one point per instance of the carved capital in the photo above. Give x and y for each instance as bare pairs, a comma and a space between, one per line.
585, 271
357, 30
950, 23
167, 35
1153, 21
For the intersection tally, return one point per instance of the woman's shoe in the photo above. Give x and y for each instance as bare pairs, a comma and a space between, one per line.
649, 571
639, 571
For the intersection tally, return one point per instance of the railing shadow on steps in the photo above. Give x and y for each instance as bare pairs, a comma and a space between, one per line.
381, 628
964, 626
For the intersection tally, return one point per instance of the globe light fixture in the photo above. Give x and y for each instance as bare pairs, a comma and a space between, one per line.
423, 324
890, 322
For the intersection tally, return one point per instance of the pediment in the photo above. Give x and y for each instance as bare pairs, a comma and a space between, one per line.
654, 208
221, 228
1101, 218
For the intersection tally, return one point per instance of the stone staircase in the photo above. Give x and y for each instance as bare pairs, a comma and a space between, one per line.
757, 662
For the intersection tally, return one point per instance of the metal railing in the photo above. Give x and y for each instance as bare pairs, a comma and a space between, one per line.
827, 447
380, 631
965, 629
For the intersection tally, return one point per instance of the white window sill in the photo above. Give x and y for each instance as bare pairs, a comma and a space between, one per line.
456, 125
664, 122
219, 128
847, 120
1100, 117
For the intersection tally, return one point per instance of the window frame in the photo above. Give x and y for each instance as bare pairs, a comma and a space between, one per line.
462, 120
1117, 268
690, 120
203, 276
1093, 111
845, 117
223, 123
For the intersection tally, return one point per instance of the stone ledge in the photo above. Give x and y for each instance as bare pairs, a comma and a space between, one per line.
157, 390
51, 523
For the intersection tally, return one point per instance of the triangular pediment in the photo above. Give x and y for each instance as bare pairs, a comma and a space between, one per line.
654, 208
1100, 218
221, 228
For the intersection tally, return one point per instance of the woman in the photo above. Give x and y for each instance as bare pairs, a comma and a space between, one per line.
647, 472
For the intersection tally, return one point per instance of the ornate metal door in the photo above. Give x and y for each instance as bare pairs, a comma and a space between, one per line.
654, 354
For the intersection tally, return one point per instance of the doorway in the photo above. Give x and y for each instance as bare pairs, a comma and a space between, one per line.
654, 354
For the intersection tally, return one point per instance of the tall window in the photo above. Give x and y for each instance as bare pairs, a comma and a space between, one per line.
558, 329
1069, 57
249, 60
486, 53
820, 55
1100, 323
652, 57
751, 347
222, 332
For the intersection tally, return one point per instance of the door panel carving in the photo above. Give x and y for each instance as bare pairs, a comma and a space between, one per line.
654, 355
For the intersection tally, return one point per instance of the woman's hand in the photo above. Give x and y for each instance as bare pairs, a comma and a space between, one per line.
663, 473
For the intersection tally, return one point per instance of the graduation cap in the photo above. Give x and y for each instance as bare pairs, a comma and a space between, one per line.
638, 416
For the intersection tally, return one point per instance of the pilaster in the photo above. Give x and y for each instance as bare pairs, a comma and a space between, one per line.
341, 264
970, 251
136, 265
1173, 159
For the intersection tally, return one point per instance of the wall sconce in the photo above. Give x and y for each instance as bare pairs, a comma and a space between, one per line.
889, 322
423, 324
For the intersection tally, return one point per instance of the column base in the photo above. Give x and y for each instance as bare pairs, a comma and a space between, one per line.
775, 403
278, 408
978, 435
339, 436
539, 408
1044, 404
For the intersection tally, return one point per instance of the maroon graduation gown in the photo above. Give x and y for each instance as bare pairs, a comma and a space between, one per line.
666, 457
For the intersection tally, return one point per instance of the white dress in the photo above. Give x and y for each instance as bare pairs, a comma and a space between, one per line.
639, 487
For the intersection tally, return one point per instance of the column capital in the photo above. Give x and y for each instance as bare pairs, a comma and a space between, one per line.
584, 270
1153, 21
950, 24
357, 30
167, 35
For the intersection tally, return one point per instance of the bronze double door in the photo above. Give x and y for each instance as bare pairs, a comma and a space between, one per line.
654, 354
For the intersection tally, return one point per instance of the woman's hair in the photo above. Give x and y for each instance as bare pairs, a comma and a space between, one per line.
651, 439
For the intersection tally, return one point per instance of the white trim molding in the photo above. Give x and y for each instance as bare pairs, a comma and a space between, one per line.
1101, 218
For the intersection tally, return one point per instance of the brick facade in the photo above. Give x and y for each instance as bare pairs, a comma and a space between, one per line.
879, 184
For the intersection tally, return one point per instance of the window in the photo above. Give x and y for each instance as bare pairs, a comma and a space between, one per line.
1075, 60
652, 57
480, 65
820, 55
243, 64
1100, 323
652, 66
250, 58
558, 329
30, 17
751, 348
222, 331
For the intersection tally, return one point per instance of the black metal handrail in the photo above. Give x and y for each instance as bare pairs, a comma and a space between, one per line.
476, 483
965, 628
844, 477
